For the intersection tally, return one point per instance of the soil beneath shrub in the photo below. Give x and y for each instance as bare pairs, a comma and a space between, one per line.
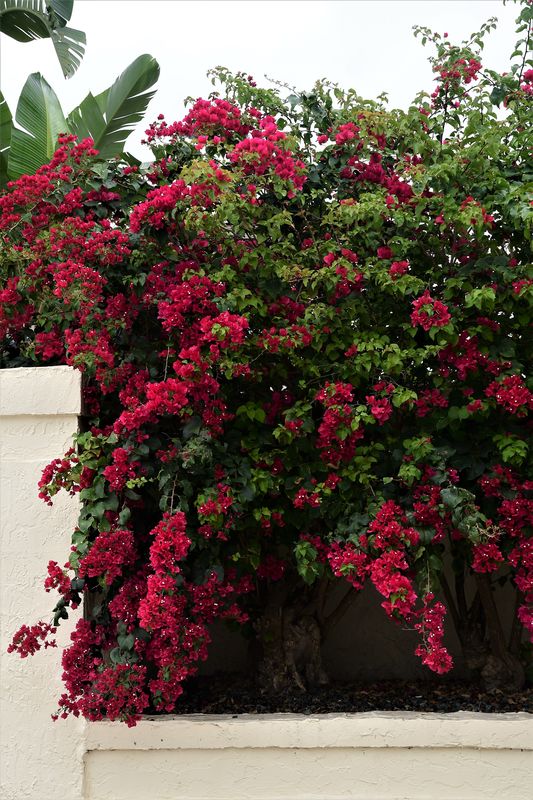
236, 695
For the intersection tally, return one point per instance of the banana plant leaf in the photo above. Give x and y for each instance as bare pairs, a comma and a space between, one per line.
6, 124
107, 118
62, 9
26, 20
110, 117
41, 121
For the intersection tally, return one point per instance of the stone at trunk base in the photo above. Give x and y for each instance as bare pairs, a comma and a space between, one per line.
502, 674
290, 641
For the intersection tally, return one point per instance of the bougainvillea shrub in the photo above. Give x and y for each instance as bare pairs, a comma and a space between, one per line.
303, 336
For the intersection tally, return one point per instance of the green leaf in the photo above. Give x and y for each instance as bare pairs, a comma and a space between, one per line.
435, 563
498, 94
192, 427
126, 642
69, 45
306, 563
124, 516
451, 497
402, 395
118, 656
6, 126
511, 447
62, 8
40, 115
480, 298
247, 493
84, 525
91, 121
26, 20
110, 117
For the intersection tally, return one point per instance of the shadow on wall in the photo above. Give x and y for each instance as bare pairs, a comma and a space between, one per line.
365, 644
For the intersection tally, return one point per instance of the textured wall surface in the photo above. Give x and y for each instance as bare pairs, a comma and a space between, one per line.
40, 759
374, 756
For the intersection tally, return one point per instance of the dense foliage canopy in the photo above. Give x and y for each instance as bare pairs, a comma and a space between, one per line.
302, 331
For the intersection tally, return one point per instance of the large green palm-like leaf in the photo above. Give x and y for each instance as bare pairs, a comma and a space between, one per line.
69, 45
107, 118
26, 20
62, 8
6, 124
110, 117
40, 115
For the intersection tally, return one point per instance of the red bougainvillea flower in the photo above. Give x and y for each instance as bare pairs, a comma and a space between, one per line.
429, 313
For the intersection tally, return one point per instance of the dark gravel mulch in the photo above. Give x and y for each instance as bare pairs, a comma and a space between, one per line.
235, 695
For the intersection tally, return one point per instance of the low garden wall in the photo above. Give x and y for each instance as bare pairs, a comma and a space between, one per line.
385, 756
372, 756
38, 414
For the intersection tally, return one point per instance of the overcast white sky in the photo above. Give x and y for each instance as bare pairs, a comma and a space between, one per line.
365, 44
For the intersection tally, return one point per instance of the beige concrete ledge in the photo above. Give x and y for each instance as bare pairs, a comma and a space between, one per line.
41, 391
371, 729
369, 756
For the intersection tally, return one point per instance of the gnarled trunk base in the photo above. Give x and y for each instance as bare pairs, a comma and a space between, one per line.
290, 642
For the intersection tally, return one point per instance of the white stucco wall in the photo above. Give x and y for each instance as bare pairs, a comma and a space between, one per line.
39, 759
373, 756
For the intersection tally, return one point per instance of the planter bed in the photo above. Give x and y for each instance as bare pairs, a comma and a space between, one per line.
224, 694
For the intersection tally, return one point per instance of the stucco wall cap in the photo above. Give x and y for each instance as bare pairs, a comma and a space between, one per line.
373, 729
42, 391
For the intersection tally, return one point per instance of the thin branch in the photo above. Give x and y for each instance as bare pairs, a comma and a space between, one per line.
516, 629
450, 602
526, 52
321, 599
462, 606
494, 626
